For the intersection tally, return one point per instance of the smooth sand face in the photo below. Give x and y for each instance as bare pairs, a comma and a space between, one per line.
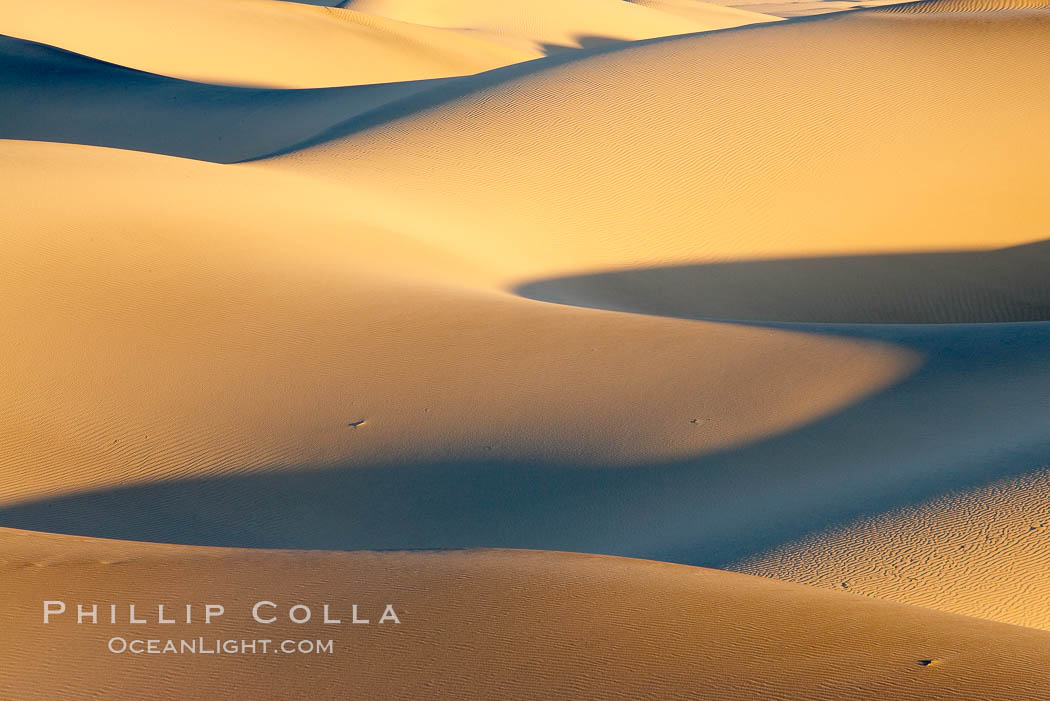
715, 15
270, 332
56, 95
778, 141
507, 624
266, 43
721, 299
552, 26
262, 43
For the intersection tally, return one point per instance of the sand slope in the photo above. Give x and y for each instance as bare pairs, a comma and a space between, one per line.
937, 287
552, 26
56, 95
266, 43
261, 43
710, 14
980, 552
774, 141
301, 345
506, 624
480, 311
942, 6
825, 140
305, 333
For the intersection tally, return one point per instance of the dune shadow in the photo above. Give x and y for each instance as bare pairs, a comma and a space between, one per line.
51, 94
1008, 284
976, 412
582, 41
55, 95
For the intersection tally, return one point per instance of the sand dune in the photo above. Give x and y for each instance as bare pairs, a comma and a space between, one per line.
681, 151
906, 288
260, 43
302, 345
790, 9
551, 26
55, 95
497, 624
709, 14
266, 43
732, 299
306, 334
980, 552
942, 6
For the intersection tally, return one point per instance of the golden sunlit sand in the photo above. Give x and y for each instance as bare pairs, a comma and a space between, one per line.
267, 43
406, 302
485, 624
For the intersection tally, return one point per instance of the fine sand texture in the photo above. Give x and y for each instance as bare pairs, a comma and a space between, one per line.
268, 43
981, 552
488, 624
783, 140
551, 324
553, 26
259, 43
57, 95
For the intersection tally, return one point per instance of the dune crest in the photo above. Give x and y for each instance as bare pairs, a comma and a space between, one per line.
273, 44
1007, 284
507, 624
383, 320
257, 43
709, 14
552, 26
485, 282
781, 140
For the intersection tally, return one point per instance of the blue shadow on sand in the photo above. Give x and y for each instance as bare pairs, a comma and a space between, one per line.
978, 410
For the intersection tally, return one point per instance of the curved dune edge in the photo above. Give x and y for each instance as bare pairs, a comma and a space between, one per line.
981, 552
313, 321
785, 140
716, 16
506, 624
267, 43
259, 43
55, 95
319, 282
945, 287
553, 26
